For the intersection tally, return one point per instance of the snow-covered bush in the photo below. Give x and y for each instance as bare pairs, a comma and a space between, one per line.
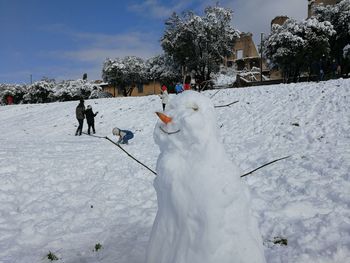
226, 77
73, 90
103, 94
16, 91
97, 93
49, 91
39, 92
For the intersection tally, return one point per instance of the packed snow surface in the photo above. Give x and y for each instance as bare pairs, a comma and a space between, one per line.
225, 80
65, 194
204, 211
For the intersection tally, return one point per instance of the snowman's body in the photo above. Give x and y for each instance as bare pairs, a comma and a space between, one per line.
203, 208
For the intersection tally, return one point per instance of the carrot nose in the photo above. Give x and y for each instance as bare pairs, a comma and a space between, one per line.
164, 118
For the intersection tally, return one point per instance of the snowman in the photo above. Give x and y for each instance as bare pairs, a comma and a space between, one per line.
203, 208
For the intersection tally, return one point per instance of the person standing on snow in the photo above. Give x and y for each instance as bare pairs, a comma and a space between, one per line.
187, 85
164, 96
334, 68
80, 114
90, 115
339, 71
193, 83
124, 135
178, 88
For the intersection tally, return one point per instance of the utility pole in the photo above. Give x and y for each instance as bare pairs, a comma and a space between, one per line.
261, 56
31, 79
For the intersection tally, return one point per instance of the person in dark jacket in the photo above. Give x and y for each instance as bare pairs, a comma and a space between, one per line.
80, 114
90, 115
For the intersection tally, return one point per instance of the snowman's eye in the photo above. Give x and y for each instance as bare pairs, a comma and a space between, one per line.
192, 107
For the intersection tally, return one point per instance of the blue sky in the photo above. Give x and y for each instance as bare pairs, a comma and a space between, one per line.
63, 39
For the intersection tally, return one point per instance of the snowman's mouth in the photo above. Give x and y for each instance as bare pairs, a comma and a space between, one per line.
160, 127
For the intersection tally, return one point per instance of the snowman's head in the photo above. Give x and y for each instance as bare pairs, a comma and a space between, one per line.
189, 122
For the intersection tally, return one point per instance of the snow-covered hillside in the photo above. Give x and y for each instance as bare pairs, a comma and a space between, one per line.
65, 194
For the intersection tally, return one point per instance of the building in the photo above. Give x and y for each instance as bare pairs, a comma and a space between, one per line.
144, 89
246, 59
243, 48
279, 20
245, 56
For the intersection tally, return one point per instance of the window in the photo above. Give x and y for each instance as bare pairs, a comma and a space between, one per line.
239, 54
139, 88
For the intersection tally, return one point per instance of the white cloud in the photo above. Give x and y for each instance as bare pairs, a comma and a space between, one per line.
255, 15
132, 40
95, 48
99, 55
156, 9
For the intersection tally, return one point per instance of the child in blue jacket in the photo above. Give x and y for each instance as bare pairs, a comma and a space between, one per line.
124, 135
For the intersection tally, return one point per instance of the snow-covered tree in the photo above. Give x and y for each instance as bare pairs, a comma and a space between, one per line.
39, 92
73, 90
113, 70
294, 46
164, 69
123, 72
284, 47
198, 43
317, 37
339, 16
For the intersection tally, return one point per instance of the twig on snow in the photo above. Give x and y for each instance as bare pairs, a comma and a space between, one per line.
266, 164
226, 105
215, 93
132, 157
116, 144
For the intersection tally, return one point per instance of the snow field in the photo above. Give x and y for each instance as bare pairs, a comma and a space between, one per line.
64, 194
305, 194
